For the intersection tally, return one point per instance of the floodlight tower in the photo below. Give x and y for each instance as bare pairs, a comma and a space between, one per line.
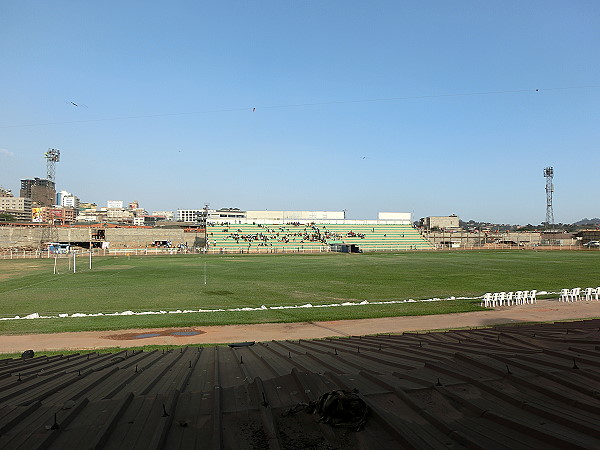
549, 174
52, 157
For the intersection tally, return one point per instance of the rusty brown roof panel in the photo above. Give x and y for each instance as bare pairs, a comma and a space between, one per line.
529, 386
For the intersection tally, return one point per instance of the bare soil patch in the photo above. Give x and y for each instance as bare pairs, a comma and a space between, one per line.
176, 332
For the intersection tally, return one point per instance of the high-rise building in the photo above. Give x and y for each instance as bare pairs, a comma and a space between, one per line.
64, 198
42, 192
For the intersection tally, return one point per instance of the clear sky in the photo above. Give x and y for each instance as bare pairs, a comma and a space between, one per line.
432, 107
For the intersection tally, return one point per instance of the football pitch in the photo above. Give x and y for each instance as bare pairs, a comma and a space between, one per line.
234, 289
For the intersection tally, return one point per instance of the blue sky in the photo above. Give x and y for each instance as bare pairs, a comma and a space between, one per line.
422, 107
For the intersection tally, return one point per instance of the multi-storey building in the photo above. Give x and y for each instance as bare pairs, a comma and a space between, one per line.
5, 192
168, 215
42, 192
64, 198
56, 215
18, 207
113, 204
190, 215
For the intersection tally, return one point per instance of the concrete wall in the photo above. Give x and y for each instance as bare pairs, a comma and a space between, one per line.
466, 239
32, 237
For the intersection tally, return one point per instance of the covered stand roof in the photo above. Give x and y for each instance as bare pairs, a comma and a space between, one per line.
529, 386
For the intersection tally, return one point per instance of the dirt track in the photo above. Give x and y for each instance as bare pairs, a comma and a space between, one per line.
543, 311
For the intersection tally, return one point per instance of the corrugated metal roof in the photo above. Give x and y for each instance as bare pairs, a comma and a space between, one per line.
529, 386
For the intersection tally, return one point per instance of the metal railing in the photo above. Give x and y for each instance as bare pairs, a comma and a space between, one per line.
38, 254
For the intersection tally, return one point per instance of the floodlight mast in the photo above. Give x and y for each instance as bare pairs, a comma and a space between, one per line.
52, 157
549, 174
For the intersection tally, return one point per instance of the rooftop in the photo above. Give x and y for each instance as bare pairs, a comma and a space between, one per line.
526, 386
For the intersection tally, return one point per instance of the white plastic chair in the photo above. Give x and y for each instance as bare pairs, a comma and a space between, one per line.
487, 299
564, 295
533, 296
501, 298
509, 298
597, 293
588, 293
494, 299
575, 294
518, 297
525, 297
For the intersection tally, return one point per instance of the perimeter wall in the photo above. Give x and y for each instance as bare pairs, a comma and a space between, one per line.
32, 237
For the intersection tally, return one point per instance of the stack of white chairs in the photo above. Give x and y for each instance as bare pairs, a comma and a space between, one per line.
491, 300
518, 298
575, 295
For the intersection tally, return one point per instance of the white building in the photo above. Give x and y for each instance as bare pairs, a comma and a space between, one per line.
168, 215
189, 215
66, 199
295, 215
114, 204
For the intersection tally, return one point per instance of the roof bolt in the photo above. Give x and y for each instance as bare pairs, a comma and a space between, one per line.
420, 344
55, 425
241, 359
19, 377
165, 411
136, 368
438, 382
289, 354
79, 373
379, 346
358, 349
498, 339
190, 364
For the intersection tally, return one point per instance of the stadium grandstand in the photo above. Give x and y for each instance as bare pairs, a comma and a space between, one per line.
312, 231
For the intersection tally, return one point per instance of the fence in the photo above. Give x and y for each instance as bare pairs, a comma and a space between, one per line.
37, 254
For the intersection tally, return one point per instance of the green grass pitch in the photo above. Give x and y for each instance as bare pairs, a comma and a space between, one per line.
168, 283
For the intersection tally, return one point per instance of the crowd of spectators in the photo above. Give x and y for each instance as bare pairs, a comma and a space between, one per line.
292, 233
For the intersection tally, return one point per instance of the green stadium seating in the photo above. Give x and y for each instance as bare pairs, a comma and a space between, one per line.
312, 238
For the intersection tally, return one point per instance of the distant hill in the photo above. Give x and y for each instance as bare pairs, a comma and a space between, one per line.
595, 221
